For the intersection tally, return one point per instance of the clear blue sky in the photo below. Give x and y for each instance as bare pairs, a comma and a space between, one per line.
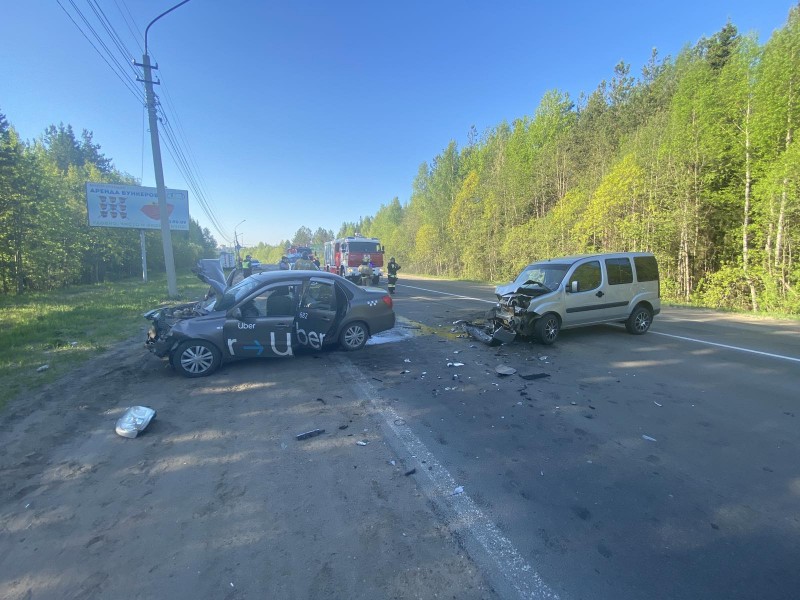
311, 113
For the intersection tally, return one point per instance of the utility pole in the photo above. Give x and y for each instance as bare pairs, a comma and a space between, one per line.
166, 236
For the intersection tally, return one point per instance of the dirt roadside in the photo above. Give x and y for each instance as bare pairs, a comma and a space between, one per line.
217, 499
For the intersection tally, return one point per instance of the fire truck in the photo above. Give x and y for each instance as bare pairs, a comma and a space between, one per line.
345, 255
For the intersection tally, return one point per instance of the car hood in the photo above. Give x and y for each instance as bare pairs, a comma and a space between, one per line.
210, 271
513, 289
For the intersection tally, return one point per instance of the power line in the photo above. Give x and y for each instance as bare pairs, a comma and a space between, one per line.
176, 142
127, 82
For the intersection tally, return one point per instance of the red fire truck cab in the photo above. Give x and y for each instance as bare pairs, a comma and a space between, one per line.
345, 255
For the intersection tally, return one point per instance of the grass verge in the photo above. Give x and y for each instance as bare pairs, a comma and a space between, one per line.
64, 328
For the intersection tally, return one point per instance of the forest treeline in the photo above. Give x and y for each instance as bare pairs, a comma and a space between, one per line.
45, 239
695, 160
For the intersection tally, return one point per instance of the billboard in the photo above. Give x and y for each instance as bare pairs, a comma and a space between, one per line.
134, 207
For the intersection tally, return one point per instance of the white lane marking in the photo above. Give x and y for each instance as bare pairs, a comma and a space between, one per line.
508, 564
459, 296
740, 349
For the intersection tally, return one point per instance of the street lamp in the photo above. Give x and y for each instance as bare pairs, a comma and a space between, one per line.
166, 237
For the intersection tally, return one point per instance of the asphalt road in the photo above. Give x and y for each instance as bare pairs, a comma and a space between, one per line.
470, 485
656, 466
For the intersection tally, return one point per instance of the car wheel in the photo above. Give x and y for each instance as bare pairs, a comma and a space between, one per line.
354, 336
196, 358
546, 329
640, 320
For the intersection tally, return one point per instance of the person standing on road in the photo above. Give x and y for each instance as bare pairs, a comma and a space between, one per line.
304, 263
284, 264
247, 266
365, 271
392, 268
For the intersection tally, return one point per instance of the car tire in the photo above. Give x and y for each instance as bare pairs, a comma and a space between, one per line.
546, 329
196, 358
640, 320
354, 336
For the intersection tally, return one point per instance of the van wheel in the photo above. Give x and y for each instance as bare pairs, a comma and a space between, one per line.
640, 320
546, 329
196, 358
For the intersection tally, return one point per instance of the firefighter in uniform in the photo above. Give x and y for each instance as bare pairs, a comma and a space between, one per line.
304, 263
365, 271
392, 268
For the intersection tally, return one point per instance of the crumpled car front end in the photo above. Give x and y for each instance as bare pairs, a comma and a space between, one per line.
512, 313
160, 340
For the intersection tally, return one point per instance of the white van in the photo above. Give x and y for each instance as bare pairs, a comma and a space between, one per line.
572, 291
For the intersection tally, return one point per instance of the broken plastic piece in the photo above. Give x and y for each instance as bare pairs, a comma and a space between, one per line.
134, 420
309, 434
362, 442
458, 490
411, 472
42, 368
648, 438
504, 370
530, 376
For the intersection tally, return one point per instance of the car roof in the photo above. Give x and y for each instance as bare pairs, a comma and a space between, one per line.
574, 258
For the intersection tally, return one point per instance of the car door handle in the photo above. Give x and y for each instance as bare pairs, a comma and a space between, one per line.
599, 294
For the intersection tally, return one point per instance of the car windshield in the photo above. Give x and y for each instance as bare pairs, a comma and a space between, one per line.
236, 293
548, 274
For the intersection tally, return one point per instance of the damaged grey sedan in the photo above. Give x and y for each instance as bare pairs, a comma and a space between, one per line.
270, 314
573, 291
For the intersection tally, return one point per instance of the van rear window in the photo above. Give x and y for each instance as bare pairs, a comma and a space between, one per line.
646, 268
619, 271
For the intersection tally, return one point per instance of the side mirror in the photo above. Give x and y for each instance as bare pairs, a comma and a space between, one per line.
573, 287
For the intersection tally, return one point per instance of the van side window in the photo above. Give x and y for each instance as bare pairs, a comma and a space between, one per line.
619, 271
646, 268
588, 276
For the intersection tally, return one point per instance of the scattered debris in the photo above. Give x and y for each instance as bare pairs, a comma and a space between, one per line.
134, 420
574, 403
504, 370
656, 403
542, 358
399, 421
391, 462
411, 472
531, 376
648, 438
404, 372
309, 434
362, 442
406, 360
458, 490
343, 427
42, 368
321, 400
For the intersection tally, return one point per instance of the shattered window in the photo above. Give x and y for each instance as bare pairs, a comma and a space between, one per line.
549, 274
